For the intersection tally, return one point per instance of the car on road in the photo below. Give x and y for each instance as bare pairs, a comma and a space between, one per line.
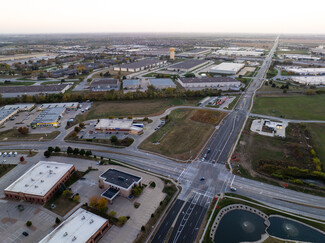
25, 234
233, 188
202, 179
82, 178
208, 150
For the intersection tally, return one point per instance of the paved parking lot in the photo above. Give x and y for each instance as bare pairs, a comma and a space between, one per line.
13, 159
13, 222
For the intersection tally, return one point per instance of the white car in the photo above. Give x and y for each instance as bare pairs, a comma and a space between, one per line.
10, 153
0, 153
4, 154
15, 154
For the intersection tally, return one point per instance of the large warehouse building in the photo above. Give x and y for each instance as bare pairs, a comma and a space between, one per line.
18, 91
105, 84
224, 83
305, 71
162, 83
49, 117
40, 182
240, 52
194, 52
140, 65
9, 111
187, 66
123, 125
310, 80
301, 57
227, 68
118, 183
81, 227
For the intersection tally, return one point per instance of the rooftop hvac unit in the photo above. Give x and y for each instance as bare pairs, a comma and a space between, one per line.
41, 172
42, 180
26, 185
36, 186
91, 221
121, 178
65, 234
74, 238
83, 217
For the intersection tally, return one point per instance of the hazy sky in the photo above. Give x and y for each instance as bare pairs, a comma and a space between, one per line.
257, 16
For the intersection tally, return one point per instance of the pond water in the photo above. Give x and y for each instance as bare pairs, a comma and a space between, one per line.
239, 225
291, 230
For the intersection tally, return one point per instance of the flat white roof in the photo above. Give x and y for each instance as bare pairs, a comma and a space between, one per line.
78, 228
114, 124
228, 66
39, 179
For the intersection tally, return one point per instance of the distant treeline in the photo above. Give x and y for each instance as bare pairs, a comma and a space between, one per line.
151, 93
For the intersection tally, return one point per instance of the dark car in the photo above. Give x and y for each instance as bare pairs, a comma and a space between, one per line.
25, 233
202, 179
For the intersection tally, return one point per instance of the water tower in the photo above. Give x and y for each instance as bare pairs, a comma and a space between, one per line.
172, 53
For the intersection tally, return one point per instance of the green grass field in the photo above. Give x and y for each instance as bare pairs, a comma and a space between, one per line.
135, 108
318, 134
16, 83
50, 82
13, 134
184, 134
5, 168
292, 107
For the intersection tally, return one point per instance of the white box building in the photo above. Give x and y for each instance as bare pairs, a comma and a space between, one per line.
227, 68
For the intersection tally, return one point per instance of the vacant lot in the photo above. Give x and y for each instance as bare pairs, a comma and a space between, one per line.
184, 133
13, 134
303, 107
138, 108
317, 132
288, 159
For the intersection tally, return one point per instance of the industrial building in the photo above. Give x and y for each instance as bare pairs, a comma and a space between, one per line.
305, 71
227, 68
105, 84
301, 57
240, 52
123, 125
40, 182
194, 52
81, 227
68, 106
49, 117
140, 65
224, 83
188, 65
19, 107
118, 183
19, 91
310, 80
162, 83
131, 84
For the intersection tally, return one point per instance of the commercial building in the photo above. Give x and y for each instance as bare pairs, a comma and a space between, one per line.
105, 84
187, 66
227, 68
6, 114
40, 182
68, 106
320, 50
118, 182
301, 57
140, 65
310, 80
123, 125
305, 71
224, 83
162, 83
19, 91
131, 84
49, 117
81, 227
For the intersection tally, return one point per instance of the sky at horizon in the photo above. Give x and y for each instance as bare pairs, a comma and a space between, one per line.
206, 16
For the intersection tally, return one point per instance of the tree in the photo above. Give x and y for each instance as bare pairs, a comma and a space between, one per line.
81, 125
23, 130
88, 153
136, 191
76, 198
82, 152
114, 139
66, 193
69, 150
76, 151
143, 228
50, 149
77, 129
22, 159
29, 223
98, 203
122, 219
57, 149
57, 220
112, 214
47, 154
